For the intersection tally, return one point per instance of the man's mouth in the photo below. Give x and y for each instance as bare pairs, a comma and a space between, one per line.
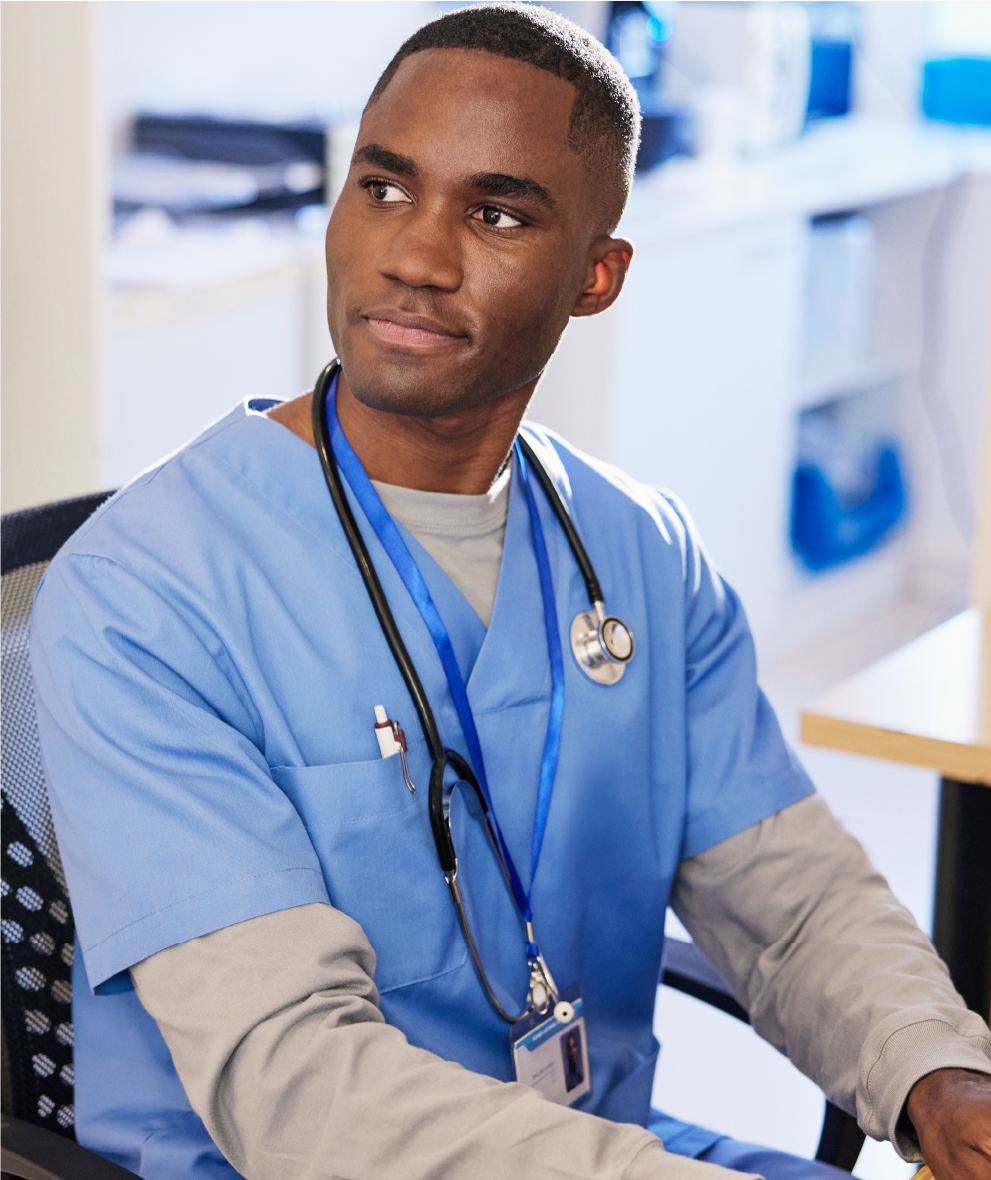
417, 331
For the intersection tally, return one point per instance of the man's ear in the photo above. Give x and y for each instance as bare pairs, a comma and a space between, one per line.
608, 265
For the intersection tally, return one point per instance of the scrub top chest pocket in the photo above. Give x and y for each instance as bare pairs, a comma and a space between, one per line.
378, 859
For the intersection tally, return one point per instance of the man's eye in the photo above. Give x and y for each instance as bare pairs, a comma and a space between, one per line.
497, 218
387, 194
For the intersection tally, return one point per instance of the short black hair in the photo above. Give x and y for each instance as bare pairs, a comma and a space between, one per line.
605, 117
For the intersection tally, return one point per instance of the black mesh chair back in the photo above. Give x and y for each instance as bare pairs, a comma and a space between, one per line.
37, 926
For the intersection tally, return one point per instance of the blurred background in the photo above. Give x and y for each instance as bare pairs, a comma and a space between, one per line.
801, 352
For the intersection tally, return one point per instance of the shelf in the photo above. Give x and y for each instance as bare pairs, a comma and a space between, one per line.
870, 373
842, 164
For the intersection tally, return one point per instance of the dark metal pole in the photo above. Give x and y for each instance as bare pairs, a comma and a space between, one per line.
962, 911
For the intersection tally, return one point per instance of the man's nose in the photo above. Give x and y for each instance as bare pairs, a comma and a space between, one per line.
425, 251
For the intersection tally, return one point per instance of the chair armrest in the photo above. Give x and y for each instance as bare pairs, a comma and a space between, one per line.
34, 1153
841, 1139
686, 970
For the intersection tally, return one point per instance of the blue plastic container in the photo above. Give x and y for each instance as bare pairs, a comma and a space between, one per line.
825, 533
958, 90
829, 84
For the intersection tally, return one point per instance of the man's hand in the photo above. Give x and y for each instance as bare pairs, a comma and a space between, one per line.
951, 1112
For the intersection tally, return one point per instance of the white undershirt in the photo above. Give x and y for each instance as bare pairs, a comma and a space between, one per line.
463, 534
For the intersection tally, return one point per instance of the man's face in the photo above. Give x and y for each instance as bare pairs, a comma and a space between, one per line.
461, 240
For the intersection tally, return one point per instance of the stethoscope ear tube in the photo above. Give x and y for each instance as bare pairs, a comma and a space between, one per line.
440, 757
590, 656
321, 437
602, 644
560, 511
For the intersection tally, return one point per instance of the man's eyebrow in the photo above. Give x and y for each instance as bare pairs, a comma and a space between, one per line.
497, 184
380, 157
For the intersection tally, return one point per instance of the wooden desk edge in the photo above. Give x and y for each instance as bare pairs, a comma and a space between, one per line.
971, 764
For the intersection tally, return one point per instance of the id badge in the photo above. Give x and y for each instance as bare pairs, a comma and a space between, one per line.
550, 1052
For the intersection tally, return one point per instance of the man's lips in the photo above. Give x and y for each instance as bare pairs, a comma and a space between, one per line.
396, 327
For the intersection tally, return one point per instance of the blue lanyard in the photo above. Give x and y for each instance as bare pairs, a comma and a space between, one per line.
406, 567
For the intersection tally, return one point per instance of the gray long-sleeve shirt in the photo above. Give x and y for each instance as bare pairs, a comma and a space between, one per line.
275, 1030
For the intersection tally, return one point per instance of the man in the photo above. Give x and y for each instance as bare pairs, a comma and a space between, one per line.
208, 664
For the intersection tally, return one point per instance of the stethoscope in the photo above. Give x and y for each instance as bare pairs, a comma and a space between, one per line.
602, 645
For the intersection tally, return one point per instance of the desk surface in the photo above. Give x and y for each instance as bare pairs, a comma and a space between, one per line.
929, 703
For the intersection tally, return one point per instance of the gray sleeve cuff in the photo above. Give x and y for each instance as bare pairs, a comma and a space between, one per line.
905, 1056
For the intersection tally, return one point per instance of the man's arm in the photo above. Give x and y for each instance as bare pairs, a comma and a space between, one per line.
833, 970
275, 1031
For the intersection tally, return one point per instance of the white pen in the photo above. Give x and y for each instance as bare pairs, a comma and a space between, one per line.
392, 741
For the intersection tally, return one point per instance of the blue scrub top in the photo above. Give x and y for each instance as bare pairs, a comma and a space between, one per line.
207, 664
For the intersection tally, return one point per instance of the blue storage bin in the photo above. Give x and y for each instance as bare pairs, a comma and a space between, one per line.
829, 83
825, 531
958, 90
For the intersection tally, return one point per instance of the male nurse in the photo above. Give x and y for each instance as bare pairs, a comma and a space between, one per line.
272, 979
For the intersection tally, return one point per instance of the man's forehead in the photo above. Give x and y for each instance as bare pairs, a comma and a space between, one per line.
475, 112
476, 71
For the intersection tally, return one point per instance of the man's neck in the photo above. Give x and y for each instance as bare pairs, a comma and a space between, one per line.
461, 453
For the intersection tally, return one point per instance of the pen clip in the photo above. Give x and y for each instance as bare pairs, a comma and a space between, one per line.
400, 739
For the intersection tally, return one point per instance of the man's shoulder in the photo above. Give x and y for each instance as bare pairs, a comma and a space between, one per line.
185, 534
596, 488
191, 488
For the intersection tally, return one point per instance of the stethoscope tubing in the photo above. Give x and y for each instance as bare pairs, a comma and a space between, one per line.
407, 668
441, 757
556, 502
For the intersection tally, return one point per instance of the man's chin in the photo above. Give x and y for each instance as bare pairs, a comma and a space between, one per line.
412, 398
415, 386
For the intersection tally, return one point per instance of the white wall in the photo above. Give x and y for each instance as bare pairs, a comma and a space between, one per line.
53, 218
272, 60
960, 26
896, 38
887, 69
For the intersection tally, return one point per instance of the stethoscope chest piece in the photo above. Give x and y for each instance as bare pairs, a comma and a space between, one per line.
603, 645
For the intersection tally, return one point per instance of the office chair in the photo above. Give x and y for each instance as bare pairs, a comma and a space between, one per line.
686, 970
38, 928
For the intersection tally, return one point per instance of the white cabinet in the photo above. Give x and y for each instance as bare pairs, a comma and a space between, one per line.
705, 365
178, 360
181, 354
689, 383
